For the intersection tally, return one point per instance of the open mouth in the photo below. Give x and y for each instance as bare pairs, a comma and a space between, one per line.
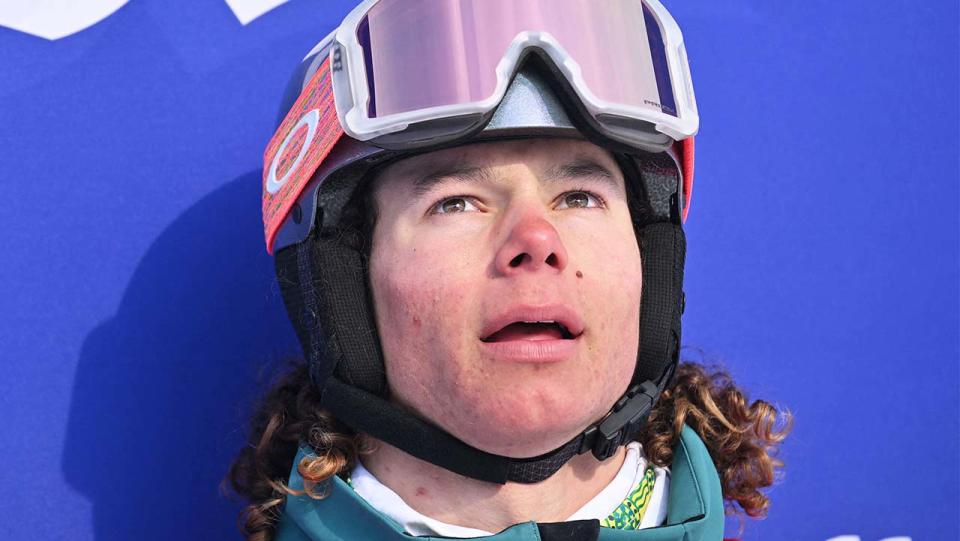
531, 331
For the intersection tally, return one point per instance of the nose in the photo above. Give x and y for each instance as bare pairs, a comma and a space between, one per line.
532, 245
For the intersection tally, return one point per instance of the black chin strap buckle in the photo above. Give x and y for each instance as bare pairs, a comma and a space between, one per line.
622, 423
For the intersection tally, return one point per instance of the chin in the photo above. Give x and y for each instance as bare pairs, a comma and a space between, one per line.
524, 425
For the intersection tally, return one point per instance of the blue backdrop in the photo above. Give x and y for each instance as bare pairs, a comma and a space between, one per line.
139, 310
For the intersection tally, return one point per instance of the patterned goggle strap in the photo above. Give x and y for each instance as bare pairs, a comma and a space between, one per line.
303, 140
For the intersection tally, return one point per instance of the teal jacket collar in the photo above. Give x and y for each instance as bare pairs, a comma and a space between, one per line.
694, 511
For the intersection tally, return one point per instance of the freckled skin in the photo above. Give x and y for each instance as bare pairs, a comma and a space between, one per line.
436, 279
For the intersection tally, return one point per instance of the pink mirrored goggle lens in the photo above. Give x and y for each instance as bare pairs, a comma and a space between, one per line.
428, 53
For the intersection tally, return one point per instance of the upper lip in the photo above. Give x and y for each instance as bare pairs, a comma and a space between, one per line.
557, 313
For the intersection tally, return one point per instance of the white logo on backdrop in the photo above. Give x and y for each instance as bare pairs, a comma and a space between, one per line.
56, 19
248, 10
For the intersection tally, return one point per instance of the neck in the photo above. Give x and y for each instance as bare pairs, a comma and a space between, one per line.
443, 495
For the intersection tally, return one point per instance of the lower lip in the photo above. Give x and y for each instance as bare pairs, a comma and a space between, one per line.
531, 351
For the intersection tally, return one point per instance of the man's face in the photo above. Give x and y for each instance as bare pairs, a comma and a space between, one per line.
474, 245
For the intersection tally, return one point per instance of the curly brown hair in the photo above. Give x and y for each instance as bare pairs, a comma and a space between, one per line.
743, 439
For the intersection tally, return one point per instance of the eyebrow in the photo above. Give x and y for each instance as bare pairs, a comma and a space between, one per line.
582, 167
423, 183
576, 169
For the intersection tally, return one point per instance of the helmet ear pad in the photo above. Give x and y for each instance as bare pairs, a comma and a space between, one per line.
324, 285
654, 194
663, 251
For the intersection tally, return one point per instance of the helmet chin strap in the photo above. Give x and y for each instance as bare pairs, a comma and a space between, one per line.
332, 268
371, 414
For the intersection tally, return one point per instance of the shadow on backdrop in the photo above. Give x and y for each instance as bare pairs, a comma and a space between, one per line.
164, 389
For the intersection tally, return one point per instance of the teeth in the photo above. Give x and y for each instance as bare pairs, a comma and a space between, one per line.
549, 322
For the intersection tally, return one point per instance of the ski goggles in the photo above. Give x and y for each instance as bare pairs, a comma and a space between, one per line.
407, 73
412, 74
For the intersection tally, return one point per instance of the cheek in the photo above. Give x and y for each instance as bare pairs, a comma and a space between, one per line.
400, 300
421, 316
623, 283
610, 271
611, 289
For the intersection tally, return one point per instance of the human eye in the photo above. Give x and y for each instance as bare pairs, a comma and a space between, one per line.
454, 205
579, 199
